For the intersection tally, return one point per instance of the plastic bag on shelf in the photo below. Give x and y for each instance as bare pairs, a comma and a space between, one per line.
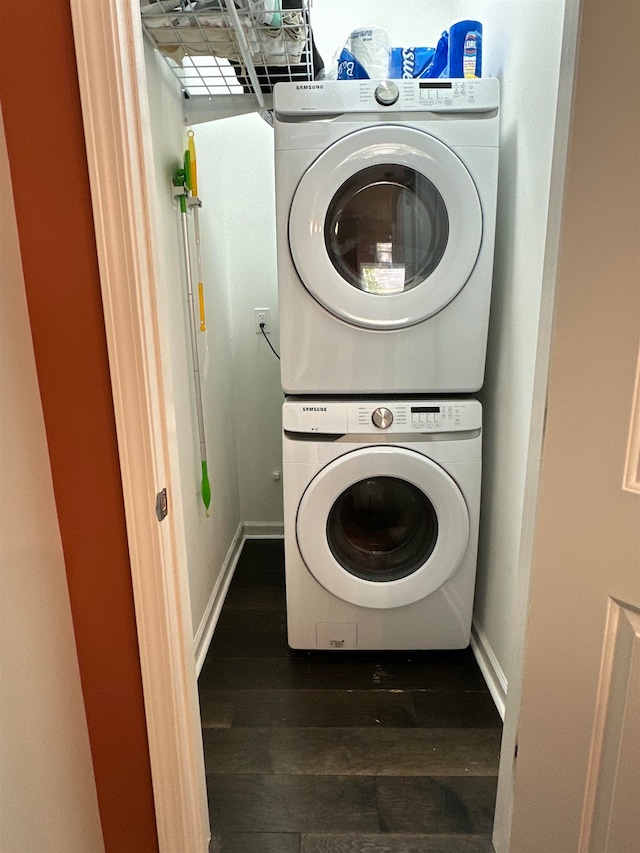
268, 9
205, 29
409, 62
365, 55
308, 66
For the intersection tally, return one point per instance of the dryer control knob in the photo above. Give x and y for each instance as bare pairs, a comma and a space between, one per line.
382, 418
386, 93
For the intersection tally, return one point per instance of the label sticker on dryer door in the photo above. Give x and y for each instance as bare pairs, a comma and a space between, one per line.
382, 278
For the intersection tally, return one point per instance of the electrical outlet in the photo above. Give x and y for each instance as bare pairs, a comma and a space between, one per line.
261, 315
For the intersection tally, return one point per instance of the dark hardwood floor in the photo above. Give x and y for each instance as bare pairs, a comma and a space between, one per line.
329, 752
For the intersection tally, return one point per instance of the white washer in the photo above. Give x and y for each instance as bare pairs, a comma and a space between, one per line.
381, 512
385, 213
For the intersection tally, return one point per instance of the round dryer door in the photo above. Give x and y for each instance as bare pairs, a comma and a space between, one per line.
382, 527
385, 227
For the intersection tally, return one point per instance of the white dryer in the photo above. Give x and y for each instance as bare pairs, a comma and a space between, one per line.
381, 513
385, 211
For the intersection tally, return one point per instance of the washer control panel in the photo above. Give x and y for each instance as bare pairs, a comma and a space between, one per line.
343, 417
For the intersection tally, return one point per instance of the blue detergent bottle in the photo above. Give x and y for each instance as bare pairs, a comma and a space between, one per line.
465, 50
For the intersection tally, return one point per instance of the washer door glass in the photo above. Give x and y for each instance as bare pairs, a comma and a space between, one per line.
385, 227
382, 529
382, 526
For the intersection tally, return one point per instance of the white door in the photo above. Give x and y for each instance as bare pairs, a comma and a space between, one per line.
385, 227
576, 779
382, 527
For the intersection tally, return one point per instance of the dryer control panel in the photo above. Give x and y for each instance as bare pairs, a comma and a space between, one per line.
348, 417
333, 97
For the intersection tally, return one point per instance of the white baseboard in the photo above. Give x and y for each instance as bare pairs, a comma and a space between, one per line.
489, 666
263, 529
204, 634
246, 530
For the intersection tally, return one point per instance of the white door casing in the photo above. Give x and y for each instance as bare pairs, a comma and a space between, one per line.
110, 58
632, 465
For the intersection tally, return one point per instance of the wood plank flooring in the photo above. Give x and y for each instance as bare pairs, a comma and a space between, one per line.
329, 752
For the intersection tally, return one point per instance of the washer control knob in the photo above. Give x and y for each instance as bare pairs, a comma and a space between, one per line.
386, 93
382, 418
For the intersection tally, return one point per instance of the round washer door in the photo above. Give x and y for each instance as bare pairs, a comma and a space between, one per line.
385, 227
382, 527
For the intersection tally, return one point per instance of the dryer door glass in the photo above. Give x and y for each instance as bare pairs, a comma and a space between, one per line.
386, 229
382, 529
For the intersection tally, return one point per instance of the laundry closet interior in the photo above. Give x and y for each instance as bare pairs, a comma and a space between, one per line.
240, 376
241, 382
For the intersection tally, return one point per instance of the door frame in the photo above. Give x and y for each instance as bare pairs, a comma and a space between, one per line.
109, 54
110, 69
508, 749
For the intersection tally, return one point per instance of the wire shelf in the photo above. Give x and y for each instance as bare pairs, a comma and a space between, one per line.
233, 47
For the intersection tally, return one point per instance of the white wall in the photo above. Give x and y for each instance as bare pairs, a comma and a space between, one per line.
206, 539
235, 166
47, 789
525, 56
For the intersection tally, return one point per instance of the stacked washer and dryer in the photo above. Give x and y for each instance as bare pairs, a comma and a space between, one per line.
385, 212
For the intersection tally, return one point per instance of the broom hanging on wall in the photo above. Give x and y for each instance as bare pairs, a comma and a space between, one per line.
192, 184
185, 188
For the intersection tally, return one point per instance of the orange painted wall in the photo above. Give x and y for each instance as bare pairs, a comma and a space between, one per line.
43, 125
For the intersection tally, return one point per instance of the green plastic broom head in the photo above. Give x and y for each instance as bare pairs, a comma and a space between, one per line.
205, 488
